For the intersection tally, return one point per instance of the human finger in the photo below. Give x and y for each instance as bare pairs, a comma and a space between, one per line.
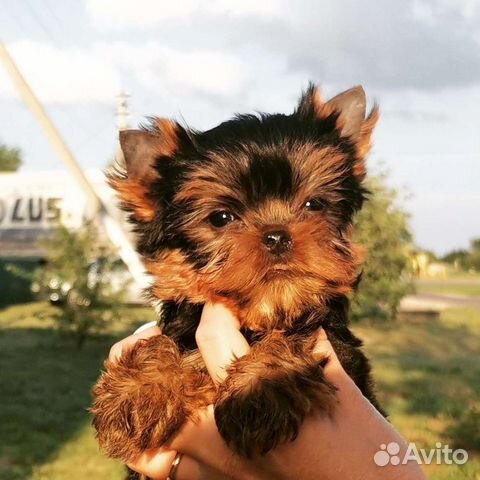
118, 348
219, 339
324, 352
158, 463
323, 349
200, 440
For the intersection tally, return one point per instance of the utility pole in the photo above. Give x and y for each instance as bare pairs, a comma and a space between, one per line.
122, 124
48, 127
114, 231
122, 111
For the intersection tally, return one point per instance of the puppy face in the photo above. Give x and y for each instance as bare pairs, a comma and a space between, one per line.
256, 212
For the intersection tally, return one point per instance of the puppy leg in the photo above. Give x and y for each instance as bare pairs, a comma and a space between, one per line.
267, 395
144, 398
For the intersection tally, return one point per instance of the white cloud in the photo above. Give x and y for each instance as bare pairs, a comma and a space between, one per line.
209, 72
161, 68
73, 75
70, 75
430, 11
263, 8
117, 14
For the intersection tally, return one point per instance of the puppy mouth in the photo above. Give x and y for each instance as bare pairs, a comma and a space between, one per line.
280, 267
279, 270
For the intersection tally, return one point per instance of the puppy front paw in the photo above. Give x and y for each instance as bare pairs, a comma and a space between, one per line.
267, 395
141, 400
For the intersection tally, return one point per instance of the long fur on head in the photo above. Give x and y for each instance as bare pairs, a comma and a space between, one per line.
263, 170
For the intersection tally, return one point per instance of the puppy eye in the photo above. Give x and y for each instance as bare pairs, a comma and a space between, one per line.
221, 219
315, 204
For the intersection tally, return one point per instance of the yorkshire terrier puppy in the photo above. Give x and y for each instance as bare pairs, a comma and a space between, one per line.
255, 213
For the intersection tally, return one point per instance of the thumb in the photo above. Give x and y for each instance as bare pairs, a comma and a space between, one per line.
219, 340
323, 352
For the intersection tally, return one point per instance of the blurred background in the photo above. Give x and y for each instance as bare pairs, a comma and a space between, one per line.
74, 73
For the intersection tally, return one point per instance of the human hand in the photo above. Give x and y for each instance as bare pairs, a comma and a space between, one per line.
128, 342
341, 446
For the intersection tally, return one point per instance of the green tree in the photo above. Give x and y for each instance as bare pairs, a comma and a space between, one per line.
83, 278
458, 258
473, 259
466, 259
382, 228
10, 159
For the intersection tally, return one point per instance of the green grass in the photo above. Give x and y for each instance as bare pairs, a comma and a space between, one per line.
446, 288
462, 275
428, 378
45, 383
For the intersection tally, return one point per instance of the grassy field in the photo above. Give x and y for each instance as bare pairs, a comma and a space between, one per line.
446, 288
428, 377
459, 284
45, 391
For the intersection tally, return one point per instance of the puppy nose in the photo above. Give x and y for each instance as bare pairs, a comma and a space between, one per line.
277, 241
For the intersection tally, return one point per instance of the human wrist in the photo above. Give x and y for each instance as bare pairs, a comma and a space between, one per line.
145, 326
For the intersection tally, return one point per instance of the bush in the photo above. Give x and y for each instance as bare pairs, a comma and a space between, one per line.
382, 227
81, 279
16, 288
10, 159
468, 260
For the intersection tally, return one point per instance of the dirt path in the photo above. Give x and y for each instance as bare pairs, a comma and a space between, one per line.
438, 301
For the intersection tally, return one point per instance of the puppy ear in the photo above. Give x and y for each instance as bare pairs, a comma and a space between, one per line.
143, 150
139, 152
349, 109
351, 106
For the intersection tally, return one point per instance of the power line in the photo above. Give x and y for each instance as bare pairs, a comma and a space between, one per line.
73, 119
16, 19
40, 22
46, 3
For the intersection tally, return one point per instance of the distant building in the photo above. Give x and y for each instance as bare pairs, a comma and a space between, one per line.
33, 203
424, 267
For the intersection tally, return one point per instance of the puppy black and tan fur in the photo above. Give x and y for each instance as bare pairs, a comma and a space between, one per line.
255, 213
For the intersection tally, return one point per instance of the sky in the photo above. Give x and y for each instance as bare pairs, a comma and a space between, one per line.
202, 61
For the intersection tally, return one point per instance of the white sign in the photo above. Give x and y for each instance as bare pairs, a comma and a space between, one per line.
35, 202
